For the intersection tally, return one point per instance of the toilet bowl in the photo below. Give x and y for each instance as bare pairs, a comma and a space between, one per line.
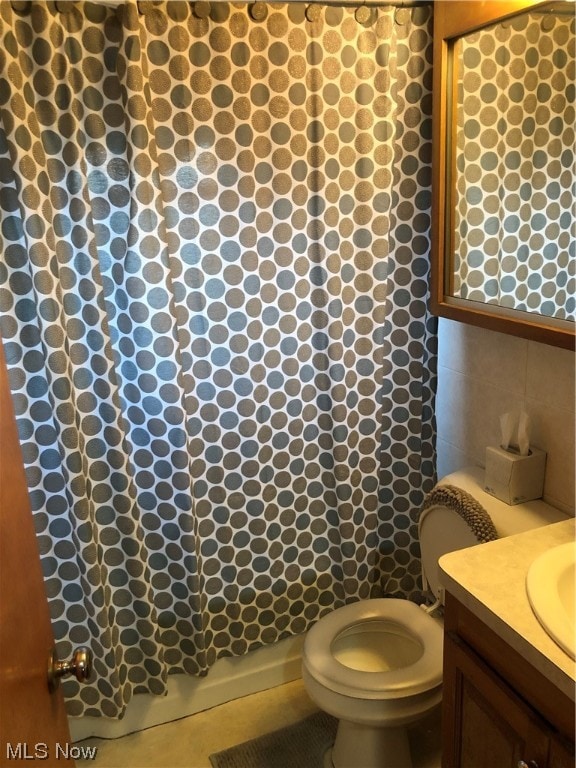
376, 665
371, 662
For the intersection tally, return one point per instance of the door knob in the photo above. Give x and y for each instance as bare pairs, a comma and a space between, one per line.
80, 665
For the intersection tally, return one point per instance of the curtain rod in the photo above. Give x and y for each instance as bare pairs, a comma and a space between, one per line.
382, 4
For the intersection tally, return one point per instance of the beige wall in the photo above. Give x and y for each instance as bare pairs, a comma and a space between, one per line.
482, 374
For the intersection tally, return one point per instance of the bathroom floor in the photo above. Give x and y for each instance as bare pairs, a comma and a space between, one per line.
187, 743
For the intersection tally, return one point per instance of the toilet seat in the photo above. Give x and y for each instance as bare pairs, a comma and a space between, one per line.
404, 616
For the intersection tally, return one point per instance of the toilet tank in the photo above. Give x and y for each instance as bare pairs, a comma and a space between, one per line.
443, 530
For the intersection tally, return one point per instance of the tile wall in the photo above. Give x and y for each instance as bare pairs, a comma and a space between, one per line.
482, 374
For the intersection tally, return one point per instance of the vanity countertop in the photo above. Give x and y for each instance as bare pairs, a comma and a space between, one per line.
489, 580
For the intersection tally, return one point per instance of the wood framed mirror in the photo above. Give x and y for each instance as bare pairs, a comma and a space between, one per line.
503, 207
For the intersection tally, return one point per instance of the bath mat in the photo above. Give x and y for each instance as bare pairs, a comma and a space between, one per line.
301, 745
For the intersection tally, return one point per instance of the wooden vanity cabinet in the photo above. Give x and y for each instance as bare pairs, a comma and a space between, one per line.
498, 710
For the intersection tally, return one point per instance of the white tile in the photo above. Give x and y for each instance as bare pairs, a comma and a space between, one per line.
450, 407
451, 458
482, 354
553, 432
482, 375
550, 375
468, 413
451, 344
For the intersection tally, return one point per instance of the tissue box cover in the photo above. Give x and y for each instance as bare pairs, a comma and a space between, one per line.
514, 478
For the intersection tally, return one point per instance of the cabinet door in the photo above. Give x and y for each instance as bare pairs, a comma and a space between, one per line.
484, 722
561, 754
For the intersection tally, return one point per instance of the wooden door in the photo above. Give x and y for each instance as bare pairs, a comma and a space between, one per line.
33, 722
484, 722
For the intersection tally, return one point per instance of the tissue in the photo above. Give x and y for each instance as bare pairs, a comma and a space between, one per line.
507, 425
515, 470
515, 425
523, 434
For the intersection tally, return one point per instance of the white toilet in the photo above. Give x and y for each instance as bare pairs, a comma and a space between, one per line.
376, 665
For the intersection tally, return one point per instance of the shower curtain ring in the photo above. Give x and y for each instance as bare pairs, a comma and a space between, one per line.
400, 20
362, 14
258, 11
313, 12
21, 7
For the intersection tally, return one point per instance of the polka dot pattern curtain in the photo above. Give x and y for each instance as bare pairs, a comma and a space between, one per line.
213, 291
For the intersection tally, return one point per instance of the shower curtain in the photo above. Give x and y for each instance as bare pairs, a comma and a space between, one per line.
213, 296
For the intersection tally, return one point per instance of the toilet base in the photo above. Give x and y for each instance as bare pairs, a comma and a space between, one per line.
365, 746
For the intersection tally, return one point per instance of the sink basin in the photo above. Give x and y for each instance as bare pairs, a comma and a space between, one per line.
550, 586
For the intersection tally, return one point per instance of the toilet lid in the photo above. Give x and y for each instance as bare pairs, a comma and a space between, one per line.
423, 675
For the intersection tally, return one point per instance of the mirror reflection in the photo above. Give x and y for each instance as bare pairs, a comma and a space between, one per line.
513, 233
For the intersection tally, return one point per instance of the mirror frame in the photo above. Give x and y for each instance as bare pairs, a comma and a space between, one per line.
452, 19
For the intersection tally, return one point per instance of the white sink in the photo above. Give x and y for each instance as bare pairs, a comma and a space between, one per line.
550, 584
